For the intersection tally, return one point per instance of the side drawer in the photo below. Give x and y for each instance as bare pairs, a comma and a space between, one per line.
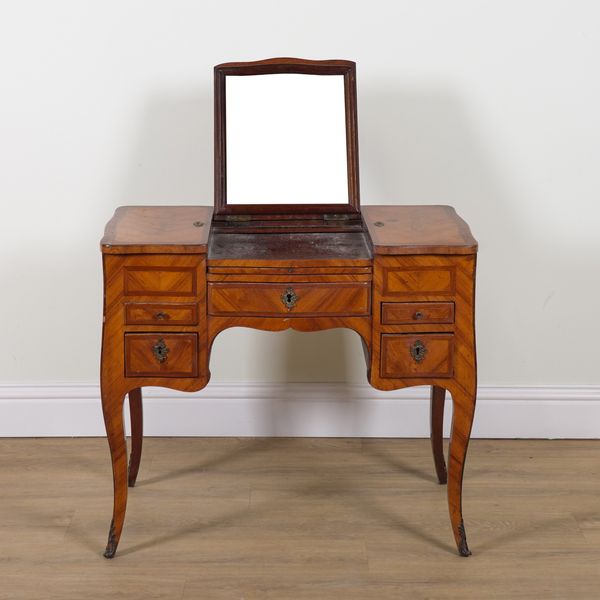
417, 355
161, 355
289, 300
407, 281
155, 313
159, 281
405, 313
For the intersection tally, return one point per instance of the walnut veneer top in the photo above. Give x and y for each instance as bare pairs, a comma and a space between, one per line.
186, 229
157, 229
418, 230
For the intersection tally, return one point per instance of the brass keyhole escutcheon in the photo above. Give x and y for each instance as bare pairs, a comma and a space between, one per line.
160, 350
418, 315
418, 351
161, 316
289, 298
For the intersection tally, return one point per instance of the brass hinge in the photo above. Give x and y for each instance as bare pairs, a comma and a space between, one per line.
341, 217
238, 218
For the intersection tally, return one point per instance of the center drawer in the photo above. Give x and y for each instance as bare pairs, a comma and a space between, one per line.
289, 300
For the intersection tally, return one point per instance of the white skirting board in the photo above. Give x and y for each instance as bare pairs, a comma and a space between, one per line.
302, 409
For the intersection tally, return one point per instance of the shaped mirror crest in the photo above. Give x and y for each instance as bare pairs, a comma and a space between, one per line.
285, 137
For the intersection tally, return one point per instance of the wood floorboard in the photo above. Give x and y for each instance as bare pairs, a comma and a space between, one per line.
247, 519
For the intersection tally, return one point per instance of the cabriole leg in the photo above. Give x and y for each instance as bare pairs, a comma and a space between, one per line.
137, 434
438, 396
462, 421
112, 407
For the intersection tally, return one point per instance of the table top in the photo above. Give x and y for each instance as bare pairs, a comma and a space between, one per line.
152, 229
391, 229
417, 229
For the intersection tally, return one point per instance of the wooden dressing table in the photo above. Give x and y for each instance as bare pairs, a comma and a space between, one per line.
402, 277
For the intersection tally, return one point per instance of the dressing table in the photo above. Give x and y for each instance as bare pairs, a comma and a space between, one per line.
288, 245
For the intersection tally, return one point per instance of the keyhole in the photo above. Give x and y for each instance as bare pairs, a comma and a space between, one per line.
418, 351
289, 298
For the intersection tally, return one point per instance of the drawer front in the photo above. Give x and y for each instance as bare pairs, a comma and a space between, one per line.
161, 355
405, 313
292, 300
417, 355
159, 281
154, 313
439, 281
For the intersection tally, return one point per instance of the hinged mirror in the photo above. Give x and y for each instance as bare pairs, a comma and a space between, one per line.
286, 139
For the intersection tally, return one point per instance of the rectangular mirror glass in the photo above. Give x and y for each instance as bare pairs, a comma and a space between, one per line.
285, 137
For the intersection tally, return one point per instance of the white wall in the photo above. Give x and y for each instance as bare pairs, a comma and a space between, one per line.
492, 107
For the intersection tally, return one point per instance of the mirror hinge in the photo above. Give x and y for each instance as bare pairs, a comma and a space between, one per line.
341, 217
237, 218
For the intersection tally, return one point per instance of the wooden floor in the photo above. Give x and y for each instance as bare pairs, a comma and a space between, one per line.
299, 518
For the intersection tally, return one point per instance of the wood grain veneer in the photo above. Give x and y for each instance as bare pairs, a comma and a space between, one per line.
417, 230
158, 229
161, 314
407, 259
159, 281
403, 281
426, 313
180, 358
311, 299
398, 362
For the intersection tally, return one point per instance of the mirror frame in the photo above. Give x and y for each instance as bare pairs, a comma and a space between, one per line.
286, 65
